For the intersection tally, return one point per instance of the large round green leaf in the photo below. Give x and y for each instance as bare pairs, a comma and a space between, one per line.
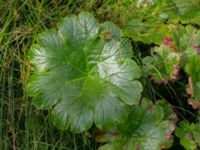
84, 74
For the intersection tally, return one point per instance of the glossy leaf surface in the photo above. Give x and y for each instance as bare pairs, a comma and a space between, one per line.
84, 74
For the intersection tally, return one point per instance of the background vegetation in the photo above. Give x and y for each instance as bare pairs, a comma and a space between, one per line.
22, 127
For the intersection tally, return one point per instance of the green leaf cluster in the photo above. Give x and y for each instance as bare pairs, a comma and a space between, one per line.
163, 64
84, 75
174, 54
189, 135
190, 59
152, 19
147, 127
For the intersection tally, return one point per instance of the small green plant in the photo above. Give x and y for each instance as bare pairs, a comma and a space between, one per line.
84, 74
162, 36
